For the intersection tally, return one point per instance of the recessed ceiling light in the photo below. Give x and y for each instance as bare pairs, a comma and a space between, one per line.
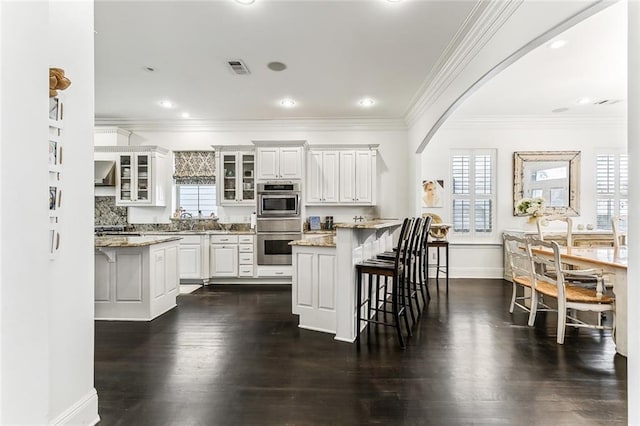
185, 115
367, 102
276, 66
288, 103
166, 104
557, 44
245, 2
394, 1
583, 101
149, 69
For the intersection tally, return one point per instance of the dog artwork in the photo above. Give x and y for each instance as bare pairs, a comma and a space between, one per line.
431, 193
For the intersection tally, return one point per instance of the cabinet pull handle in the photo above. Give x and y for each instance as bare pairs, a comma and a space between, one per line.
279, 273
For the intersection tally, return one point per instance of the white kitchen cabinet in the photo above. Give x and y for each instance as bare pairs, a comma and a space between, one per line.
232, 255
322, 177
139, 180
194, 257
357, 177
246, 244
279, 162
224, 260
136, 283
314, 287
238, 178
190, 261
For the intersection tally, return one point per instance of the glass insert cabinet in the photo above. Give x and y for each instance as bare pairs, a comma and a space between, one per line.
139, 179
238, 178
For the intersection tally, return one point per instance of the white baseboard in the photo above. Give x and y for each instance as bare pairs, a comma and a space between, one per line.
83, 412
323, 330
342, 339
489, 273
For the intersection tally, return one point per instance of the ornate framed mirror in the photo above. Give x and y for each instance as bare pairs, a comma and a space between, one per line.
552, 175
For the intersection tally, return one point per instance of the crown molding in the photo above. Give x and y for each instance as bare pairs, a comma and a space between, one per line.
542, 120
479, 27
347, 124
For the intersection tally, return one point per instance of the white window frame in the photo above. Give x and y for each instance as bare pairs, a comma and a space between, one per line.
617, 195
194, 213
472, 197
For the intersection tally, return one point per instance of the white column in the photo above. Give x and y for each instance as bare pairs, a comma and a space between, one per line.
633, 295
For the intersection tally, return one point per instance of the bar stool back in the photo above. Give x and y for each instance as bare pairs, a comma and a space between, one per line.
398, 297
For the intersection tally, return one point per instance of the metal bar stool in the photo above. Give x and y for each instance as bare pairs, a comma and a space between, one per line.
412, 258
398, 297
438, 244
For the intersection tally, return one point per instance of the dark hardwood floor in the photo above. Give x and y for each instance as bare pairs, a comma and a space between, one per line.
233, 355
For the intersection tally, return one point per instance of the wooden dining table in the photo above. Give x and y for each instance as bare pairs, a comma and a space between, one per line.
612, 261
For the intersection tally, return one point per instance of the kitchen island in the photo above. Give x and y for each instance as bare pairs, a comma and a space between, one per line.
136, 277
324, 278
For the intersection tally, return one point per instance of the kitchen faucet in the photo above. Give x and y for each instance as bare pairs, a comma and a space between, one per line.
358, 218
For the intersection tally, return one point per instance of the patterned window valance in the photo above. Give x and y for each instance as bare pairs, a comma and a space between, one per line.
194, 167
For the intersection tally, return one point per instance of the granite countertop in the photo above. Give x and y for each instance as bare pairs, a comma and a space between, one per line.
319, 241
121, 241
320, 232
370, 224
195, 232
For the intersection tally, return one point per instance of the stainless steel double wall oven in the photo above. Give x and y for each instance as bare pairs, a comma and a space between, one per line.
278, 222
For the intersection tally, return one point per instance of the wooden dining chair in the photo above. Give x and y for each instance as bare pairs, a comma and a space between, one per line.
519, 259
570, 297
586, 277
619, 228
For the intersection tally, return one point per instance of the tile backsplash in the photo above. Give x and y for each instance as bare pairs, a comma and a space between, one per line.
107, 213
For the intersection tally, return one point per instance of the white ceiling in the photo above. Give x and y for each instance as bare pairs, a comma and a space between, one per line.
336, 51
593, 64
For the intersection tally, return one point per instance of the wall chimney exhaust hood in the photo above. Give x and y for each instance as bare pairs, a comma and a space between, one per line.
104, 173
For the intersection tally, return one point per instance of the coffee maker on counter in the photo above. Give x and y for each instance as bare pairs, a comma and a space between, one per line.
328, 223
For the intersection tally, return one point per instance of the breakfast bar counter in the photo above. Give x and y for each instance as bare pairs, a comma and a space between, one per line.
324, 280
136, 277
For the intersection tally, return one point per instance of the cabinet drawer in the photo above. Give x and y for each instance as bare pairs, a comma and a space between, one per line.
245, 258
245, 248
189, 239
275, 271
245, 271
245, 239
224, 239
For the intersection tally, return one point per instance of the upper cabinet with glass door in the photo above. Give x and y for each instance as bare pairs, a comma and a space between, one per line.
138, 183
237, 177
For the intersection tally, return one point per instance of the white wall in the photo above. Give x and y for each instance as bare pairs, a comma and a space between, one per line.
393, 196
71, 324
588, 136
633, 292
46, 315
24, 275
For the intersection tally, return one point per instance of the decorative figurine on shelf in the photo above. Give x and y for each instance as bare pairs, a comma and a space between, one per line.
57, 81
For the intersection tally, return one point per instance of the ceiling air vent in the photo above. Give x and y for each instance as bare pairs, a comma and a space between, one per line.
607, 102
238, 67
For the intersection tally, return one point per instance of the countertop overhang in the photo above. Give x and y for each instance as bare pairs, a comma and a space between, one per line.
129, 241
370, 224
319, 241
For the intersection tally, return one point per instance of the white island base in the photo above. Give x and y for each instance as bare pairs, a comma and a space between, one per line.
136, 278
324, 279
